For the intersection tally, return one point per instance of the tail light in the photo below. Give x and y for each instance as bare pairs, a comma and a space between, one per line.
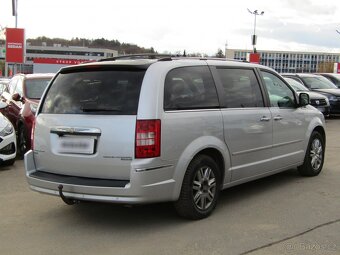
148, 139
32, 134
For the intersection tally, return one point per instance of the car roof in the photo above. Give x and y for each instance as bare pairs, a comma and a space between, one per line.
300, 74
35, 75
330, 74
144, 63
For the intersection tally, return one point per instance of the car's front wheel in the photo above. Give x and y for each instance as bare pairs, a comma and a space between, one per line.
314, 157
200, 188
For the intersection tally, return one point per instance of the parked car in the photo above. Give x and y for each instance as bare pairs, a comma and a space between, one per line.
22, 98
316, 99
320, 85
333, 77
169, 129
7, 140
3, 85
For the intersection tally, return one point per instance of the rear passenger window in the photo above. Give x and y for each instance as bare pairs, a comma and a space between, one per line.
241, 88
190, 88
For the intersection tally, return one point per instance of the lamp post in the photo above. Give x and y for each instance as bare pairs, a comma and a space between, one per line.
254, 38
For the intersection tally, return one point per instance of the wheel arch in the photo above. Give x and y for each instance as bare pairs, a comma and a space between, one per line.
210, 146
322, 132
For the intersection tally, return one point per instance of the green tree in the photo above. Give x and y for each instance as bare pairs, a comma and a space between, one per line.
219, 54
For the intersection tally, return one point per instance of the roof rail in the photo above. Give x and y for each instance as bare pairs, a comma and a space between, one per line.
163, 57
138, 56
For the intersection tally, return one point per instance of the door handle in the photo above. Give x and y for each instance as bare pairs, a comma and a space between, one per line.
264, 118
278, 117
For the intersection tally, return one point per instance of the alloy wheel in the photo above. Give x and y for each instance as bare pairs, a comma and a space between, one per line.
204, 188
316, 152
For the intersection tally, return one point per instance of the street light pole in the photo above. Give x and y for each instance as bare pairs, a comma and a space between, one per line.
254, 38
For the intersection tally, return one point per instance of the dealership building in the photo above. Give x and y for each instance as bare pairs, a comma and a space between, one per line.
49, 59
288, 61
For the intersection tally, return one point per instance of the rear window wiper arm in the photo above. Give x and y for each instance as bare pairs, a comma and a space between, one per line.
101, 109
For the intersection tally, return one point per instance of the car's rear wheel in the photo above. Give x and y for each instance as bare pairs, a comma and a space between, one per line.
314, 157
22, 142
200, 188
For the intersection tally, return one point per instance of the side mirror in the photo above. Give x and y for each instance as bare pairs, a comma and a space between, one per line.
303, 99
3, 105
16, 97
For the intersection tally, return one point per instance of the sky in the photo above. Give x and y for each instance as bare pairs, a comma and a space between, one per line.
172, 26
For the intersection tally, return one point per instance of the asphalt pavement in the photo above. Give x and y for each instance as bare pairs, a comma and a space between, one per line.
281, 214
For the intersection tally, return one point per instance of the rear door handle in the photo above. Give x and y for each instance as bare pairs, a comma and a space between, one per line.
278, 117
264, 118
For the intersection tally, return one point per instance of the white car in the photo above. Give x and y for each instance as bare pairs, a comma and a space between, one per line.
7, 140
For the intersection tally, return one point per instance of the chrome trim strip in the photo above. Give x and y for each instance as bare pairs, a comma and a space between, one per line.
266, 147
194, 110
151, 168
286, 143
61, 130
252, 150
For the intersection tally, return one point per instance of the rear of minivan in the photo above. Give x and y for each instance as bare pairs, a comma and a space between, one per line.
88, 143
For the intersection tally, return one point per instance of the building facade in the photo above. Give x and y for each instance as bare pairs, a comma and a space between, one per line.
51, 58
288, 61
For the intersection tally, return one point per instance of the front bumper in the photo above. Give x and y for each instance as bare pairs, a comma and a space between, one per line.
154, 185
8, 147
324, 109
334, 107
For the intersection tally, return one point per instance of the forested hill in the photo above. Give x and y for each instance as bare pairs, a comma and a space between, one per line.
122, 48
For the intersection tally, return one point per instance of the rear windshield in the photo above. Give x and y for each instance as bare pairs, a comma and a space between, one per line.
113, 92
36, 87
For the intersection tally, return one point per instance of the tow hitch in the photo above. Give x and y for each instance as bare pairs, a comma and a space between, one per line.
65, 199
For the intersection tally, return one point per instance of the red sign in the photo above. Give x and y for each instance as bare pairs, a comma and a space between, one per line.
60, 61
254, 58
15, 45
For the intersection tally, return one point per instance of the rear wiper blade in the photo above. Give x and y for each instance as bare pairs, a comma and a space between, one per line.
118, 109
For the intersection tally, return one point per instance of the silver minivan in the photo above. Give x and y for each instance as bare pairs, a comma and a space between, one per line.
170, 129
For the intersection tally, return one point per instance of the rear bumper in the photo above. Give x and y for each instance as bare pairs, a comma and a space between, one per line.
154, 185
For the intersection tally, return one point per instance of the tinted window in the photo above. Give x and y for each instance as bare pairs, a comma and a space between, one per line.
280, 95
35, 87
318, 82
112, 92
190, 88
241, 88
297, 86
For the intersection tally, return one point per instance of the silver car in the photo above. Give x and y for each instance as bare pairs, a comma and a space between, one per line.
170, 129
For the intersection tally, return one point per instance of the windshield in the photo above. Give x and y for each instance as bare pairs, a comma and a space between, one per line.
297, 86
114, 92
318, 82
36, 87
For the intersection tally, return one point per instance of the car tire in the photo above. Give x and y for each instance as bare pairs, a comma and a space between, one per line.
200, 189
22, 142
314, 157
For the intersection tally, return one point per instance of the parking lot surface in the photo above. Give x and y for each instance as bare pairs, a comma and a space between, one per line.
281, 214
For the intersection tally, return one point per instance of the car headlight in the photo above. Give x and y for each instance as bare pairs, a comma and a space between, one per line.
7, 130
332, 98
